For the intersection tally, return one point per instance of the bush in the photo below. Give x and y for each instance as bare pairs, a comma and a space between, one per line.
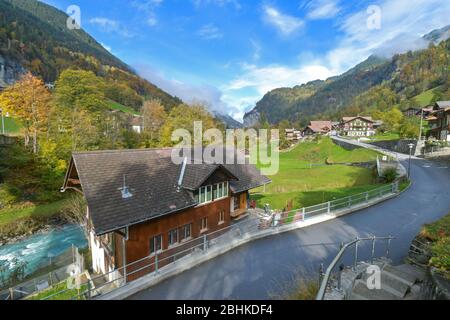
390, 175
8, 196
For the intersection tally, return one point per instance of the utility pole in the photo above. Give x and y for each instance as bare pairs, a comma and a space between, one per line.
421, 125
3, 122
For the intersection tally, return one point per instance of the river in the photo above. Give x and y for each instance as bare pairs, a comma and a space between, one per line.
37, 249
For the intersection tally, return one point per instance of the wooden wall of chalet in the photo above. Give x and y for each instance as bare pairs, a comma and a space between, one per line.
138, 244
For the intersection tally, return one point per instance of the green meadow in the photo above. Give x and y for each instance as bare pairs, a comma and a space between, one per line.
305, 178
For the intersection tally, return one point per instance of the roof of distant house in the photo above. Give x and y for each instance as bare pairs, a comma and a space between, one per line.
348, 119
320, 126
152, 178
443, 104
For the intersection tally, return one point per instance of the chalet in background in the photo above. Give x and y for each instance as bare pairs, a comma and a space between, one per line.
293, 135
318, 128
139, 203
439, 121
358, 126
411, 112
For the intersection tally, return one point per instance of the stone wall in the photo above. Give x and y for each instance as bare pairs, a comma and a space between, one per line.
6, 141
400, 146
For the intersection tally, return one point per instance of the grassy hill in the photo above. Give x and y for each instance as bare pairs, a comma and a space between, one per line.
120, 107
305, 178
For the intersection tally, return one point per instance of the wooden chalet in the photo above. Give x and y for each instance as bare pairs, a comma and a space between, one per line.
139, 203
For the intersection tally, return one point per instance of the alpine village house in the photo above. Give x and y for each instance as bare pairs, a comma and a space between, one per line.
358, 126
140, 204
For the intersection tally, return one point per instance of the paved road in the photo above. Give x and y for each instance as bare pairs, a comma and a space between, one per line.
266, 267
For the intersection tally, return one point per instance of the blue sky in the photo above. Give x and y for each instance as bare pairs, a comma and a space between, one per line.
229, 53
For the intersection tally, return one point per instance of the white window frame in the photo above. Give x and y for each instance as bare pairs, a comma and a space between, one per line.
183, 232
169, 234
221, 217
203, 228
154, 251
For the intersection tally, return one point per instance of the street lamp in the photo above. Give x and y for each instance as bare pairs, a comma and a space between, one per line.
411, 146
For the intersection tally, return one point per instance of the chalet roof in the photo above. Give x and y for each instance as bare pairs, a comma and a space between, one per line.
443, 104
348, 119
152, 179
320, 126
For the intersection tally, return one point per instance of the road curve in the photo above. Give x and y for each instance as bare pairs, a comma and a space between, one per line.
266, 267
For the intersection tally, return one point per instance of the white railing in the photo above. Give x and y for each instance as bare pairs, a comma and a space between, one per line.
251, 227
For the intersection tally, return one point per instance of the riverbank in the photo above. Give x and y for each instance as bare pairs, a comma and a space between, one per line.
23, 228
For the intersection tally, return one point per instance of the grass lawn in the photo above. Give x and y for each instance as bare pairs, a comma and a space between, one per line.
385, 136
120, 107
67, 295
306, 185
45, 210
11, 126
424, 99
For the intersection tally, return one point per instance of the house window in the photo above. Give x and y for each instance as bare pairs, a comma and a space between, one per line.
185, 232
221, 217
211, 193
173, 237
156, 244
204, 225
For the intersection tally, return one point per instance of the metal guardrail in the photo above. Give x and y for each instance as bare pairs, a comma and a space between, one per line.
326, 277
249, 227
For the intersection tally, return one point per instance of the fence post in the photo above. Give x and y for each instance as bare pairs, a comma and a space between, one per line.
388, 247
205, 246
356, 254
321, 269
89, 289
156, 262
350, 201
367, 196
303, 214
329, 207
373, 249
341, 268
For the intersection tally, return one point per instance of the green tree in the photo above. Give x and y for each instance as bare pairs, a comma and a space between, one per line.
81, 108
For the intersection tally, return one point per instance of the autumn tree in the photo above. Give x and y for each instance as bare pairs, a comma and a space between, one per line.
28, 100
183, 117
154, 117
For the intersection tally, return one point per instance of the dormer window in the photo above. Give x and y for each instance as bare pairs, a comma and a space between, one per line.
211, 193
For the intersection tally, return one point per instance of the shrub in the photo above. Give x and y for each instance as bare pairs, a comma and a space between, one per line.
390, 175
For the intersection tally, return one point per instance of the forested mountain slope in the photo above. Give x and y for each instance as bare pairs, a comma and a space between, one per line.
376, 82
34, 36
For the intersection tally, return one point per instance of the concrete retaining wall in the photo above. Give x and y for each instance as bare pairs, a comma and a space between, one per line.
400, 146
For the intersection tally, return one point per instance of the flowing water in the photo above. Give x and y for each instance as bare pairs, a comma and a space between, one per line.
37, 250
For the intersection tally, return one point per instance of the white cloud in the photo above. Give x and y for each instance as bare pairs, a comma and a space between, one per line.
271, 77
209, 32
284, 23
207, 94
403, 22
321, 9
110, 25
256, 50
106, 47
148, 7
